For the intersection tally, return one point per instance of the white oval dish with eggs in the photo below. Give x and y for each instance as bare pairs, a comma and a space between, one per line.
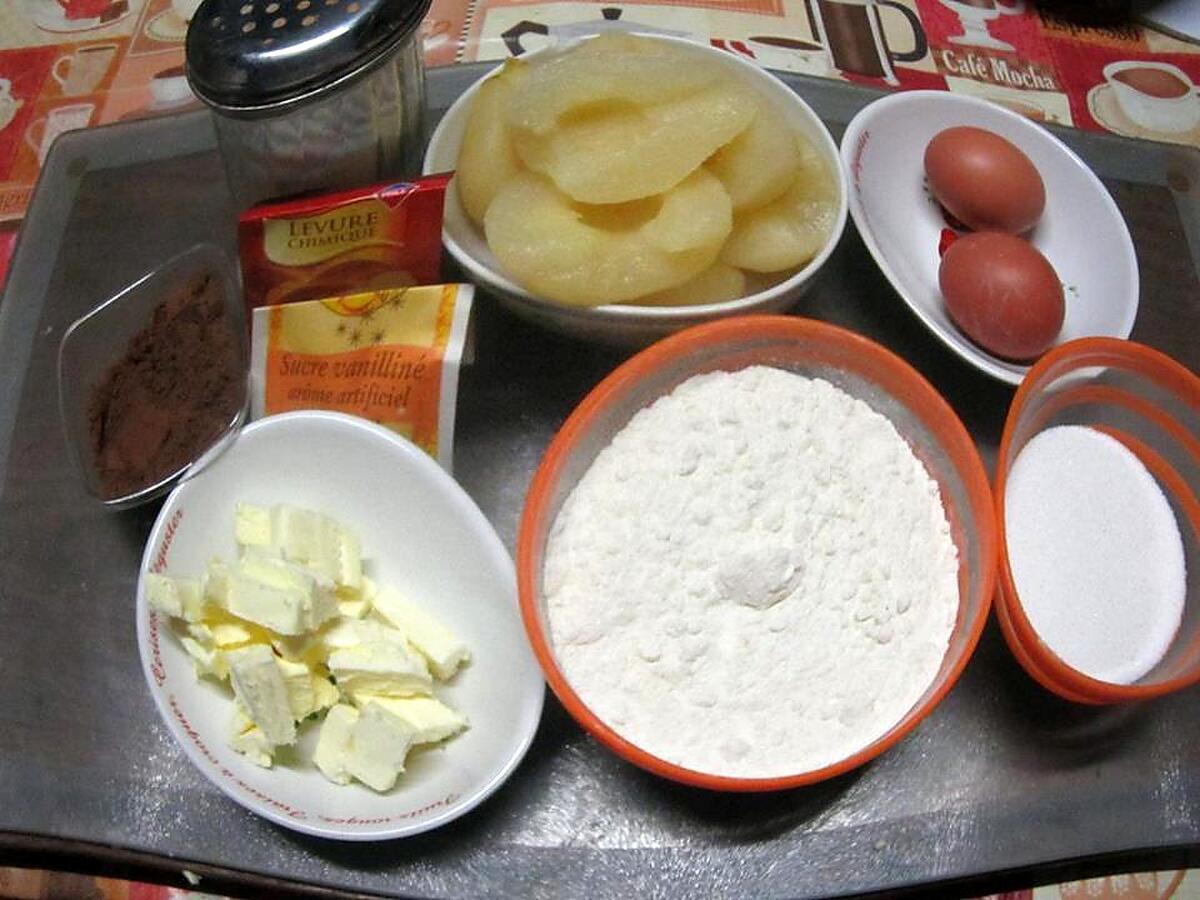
630, 322
420, 535
1081, 231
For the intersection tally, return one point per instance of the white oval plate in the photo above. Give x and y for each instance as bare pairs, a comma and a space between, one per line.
421, 533
1081, 232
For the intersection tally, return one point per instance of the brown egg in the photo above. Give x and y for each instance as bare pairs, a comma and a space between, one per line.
984, 181
1003, 293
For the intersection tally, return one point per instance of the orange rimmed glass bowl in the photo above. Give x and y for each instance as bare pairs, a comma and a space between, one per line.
1151, 404
856, 365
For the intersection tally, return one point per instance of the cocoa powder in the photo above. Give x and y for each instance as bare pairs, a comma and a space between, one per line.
174, 391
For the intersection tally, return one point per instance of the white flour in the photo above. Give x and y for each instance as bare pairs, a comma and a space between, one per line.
755, 578
1095, 551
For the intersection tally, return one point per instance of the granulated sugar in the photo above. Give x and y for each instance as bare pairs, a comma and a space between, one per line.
755, 578
1095, 551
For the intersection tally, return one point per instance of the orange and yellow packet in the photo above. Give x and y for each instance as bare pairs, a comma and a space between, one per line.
391, 356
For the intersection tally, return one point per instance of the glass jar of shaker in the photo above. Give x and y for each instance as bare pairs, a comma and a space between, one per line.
310, 94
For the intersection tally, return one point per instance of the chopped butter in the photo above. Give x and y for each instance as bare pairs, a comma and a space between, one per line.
380, 667
436, 642
319, 542
225, 630
379, 744
307, 692
206, 659
252, 525
355, 603
182, 598
430, 719
333, 744
278, 595
259, 686
248, 740
293, 615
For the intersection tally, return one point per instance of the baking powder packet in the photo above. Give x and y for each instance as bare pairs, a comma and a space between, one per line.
382, 236
391, 356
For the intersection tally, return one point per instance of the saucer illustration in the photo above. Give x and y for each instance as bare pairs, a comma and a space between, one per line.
166, 27
48, 15
1102, 104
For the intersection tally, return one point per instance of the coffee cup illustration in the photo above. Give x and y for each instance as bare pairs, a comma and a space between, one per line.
976, 15
8, 103
1157, 96
41, 132
853, 35
82, 71
83, 9
170, 88
790, 54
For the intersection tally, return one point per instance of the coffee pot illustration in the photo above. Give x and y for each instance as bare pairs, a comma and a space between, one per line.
554, 34
853, 36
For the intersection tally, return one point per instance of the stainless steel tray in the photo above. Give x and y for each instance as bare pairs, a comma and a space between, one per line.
1002, 777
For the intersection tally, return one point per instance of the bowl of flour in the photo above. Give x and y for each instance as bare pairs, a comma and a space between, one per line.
757, 554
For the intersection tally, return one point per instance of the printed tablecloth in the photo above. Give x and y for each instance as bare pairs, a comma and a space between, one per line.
31, 884
68, 64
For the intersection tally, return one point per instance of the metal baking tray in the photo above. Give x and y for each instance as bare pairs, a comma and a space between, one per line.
1002, 778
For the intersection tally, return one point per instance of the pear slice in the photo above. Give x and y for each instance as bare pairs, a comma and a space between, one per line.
760, 163
588, 255
716, 284
619, 152
790, 230
486, 159
610, 67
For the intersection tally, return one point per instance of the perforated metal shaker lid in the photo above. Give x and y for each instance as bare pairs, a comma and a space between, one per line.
256, 56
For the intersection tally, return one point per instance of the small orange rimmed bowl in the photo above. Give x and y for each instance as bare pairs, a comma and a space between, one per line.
853, 363
1151, 404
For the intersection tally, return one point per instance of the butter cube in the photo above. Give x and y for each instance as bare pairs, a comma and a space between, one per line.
333, 744
232, 634
252, 525
369, 589
325, 692
307, 691
278, 595
202, 648
206, 659
249, 741
379, 744
216, 583
182, 598
380, 667
353, 609
318, 542
346, 632
436, 642
430, 719
301, 648
356, 602
225, 630
259, 686
339, 634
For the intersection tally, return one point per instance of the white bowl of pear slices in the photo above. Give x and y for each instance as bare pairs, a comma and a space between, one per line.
620, 187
